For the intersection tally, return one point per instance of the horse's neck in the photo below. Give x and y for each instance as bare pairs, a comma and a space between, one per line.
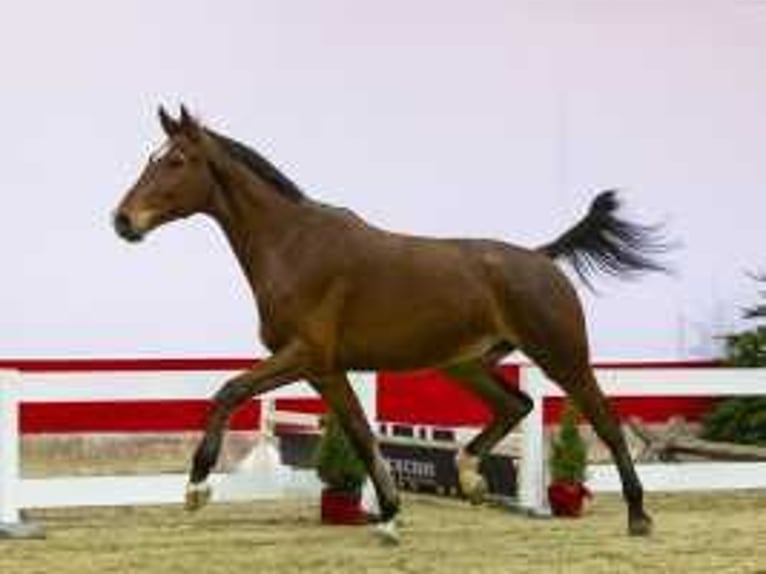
259, 223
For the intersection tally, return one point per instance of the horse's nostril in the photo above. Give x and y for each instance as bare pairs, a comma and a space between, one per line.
124, 227
121, 223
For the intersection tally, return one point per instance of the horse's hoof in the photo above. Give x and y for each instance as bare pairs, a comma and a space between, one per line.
472, 483
477, 492
197, 495
640, 526
388, 532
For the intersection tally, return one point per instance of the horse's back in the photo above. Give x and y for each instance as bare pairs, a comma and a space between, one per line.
409, 301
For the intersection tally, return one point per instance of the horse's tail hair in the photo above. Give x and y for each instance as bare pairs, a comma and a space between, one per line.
602, 242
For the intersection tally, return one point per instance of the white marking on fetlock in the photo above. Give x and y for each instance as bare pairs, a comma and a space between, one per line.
197, 495
466, 461
472, 483
388, 531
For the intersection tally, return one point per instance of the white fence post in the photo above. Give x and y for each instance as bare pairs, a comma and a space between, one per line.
365, 387
9, 448
11, 525
532, 479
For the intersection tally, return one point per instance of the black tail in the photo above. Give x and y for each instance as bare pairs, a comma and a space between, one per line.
603, 243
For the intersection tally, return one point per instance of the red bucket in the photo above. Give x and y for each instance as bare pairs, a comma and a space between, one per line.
342, 507
567, 498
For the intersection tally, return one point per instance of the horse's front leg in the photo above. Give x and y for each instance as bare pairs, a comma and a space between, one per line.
336, 390
286, 366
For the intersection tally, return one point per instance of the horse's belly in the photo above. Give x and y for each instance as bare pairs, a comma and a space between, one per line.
423, 336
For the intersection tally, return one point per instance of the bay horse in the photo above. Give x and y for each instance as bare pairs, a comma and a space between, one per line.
336, 294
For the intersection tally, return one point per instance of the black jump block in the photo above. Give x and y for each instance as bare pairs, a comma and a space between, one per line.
420, 467
416, 465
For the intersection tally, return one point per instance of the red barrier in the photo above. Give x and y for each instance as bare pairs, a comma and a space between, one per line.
429, 397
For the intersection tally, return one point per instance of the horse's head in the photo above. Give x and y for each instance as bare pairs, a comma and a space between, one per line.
177, 181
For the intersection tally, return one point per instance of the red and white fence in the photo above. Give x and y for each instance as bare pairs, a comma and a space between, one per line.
18, 492
65, 386
655, 476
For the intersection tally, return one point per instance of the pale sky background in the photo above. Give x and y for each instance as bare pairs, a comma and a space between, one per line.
494, 118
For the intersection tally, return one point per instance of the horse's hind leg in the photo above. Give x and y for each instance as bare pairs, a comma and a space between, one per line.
583, 389
508, 406
594, 405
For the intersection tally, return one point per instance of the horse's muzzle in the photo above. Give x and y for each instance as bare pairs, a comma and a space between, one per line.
124, 228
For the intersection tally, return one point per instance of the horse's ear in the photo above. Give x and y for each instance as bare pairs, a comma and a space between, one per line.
189, 125
169, 125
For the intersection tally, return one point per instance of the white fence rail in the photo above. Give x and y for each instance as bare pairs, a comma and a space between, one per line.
655, 477
18, 492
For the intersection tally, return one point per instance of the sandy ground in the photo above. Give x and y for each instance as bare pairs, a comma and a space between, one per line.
700, 533
718, 533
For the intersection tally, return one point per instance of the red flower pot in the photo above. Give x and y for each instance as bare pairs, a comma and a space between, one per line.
342, 507
567, 498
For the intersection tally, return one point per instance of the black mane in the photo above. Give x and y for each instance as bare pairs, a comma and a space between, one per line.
262, 167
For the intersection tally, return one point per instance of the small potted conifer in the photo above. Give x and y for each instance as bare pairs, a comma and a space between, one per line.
568, 461
343, 474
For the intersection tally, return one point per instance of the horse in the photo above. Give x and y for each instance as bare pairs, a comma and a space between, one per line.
335, 293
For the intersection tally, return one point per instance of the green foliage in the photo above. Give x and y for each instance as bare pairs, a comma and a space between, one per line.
337, 463
738, 419
747, 349
742, 419
569, 453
